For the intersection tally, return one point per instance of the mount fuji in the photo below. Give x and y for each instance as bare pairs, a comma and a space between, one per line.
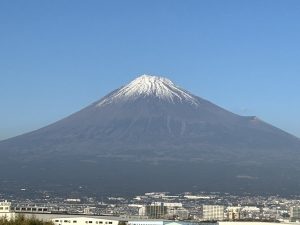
151, 135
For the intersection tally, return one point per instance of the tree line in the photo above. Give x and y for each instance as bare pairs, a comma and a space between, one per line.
21, 220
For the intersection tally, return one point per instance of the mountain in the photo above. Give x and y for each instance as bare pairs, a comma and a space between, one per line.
152, 135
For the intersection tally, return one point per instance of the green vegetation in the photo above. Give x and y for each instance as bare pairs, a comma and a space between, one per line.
21, 220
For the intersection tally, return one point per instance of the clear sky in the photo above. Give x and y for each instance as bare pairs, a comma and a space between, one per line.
59, 56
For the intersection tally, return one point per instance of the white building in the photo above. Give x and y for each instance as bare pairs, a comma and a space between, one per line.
252, 209
234, 213
213, 212
166, 210
146, 222
253, 223
5, 210
295, 213
158, 222
76, 220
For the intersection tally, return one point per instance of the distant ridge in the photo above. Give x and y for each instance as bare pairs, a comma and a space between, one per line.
153, 135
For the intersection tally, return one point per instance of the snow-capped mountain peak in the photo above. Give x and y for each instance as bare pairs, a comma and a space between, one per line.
152, 86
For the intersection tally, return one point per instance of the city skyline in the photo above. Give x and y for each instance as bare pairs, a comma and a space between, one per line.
59, 57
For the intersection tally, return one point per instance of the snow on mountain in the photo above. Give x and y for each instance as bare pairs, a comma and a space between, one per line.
146, 85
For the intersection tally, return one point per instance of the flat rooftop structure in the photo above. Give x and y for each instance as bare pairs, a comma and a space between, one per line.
93, 220
255, 223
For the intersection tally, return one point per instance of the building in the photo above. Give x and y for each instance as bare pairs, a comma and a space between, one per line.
251, 223
5, 210
156, 210
213, 212
234, 213
295, 214
146, 222
178, 213
159, 210
31, 209
78, 220
160, 222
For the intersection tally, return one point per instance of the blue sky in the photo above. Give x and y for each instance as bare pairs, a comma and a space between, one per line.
59, 56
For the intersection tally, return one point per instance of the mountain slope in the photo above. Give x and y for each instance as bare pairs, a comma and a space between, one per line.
152, 125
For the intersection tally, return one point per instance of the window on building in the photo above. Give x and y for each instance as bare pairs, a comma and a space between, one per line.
90, 221
74, 221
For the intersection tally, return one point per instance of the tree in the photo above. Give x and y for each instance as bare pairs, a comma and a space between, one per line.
21, 220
